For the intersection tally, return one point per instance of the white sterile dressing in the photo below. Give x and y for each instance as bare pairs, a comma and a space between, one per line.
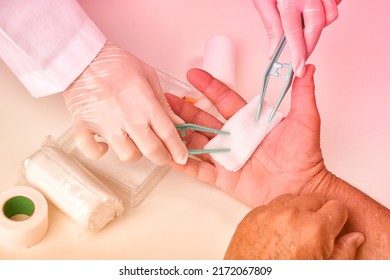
245, 135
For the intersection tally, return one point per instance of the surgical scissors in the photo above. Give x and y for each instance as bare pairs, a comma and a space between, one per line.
272, 69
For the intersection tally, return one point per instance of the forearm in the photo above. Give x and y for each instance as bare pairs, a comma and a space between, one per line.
365, 215
47, 44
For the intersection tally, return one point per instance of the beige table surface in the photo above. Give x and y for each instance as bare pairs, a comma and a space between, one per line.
182, 218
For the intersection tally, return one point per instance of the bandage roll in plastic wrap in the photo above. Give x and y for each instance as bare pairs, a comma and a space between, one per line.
72, 188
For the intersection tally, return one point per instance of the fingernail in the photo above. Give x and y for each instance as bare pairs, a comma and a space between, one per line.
300, 69
360, 240
182, 159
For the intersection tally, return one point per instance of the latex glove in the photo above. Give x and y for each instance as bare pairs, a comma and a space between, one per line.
294, 227
120, 98
285, 17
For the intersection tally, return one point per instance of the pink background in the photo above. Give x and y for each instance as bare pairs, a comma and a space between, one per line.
352, 60
352, 89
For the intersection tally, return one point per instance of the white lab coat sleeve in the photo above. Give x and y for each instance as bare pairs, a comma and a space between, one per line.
47, 44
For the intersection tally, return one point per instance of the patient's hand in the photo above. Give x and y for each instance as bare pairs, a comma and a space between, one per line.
294, 227
289, 160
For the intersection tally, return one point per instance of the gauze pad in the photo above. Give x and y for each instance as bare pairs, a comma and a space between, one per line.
245, 135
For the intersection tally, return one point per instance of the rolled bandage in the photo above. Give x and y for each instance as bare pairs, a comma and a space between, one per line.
72, 188
26, 201
245, 136
219, 59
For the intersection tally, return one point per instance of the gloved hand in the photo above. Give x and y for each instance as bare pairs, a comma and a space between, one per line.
285, 17
119, 98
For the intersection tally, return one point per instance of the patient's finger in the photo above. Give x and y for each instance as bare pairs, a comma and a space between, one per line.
191, 114
303, 101
227, 101
334, 215
202, 170
345, 248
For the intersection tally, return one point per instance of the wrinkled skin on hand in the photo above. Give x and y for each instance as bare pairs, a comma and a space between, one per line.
294, 227
289, 160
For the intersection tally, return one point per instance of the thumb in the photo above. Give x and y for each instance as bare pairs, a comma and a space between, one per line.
162, 100
346, 246
303, 101
174, 118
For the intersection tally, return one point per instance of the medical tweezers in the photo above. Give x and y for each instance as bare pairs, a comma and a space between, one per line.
183, 127
272, 69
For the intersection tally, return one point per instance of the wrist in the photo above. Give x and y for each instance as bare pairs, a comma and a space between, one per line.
324, 182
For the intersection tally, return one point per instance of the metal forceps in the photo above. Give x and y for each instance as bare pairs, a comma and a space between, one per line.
183, 127
272, 69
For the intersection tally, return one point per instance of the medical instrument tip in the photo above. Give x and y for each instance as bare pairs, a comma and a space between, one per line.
262, 94
258, 111
273, 67
271, 115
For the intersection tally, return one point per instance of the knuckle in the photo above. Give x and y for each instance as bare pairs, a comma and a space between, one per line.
315, 26
288, 214
131, 156
331, 17
151, 150
157, 155
169, 134
317, 229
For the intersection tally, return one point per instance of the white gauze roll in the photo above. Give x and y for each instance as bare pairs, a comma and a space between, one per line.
72, 188
219, 59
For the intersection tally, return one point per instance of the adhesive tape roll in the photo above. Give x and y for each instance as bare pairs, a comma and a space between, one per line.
26, 201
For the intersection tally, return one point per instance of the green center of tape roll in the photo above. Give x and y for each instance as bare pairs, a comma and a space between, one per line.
18, 205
